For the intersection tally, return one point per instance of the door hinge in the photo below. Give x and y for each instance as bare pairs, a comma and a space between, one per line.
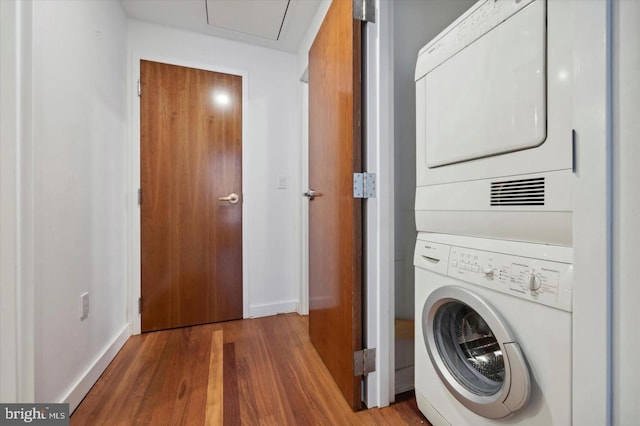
139, 305
364, 362
139, 88
139, 196
364, 10
364, 185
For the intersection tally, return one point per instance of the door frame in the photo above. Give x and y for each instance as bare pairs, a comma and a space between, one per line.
379, 252
134, 269
19, 322
303, 289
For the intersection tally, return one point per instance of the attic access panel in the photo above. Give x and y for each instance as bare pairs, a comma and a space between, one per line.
261, 18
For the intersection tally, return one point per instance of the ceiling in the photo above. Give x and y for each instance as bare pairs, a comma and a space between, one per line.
277, 24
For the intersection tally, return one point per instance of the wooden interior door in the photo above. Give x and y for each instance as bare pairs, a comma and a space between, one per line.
191, 156
335, 217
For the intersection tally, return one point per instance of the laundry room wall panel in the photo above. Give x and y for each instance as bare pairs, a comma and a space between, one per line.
626, 103
76, 207
414, 24
270, 150
591, 226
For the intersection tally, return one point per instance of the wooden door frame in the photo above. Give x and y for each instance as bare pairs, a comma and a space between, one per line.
133, 180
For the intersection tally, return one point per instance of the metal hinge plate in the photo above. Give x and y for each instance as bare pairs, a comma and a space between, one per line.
364, 10
364, 362
139, 88
139, 305
364, 185
139, 196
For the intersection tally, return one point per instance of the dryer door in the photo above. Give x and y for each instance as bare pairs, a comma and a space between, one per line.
498, 108
474, 353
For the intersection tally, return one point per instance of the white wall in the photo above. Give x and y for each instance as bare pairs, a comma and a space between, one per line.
302, 62
270, 149
416, 22
626, 237
76, 204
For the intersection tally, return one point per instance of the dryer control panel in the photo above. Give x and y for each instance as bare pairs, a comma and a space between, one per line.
538, 280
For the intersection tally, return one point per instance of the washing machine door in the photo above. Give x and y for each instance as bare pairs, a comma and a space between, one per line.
474, 353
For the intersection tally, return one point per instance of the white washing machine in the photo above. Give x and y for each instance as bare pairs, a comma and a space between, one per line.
493, 331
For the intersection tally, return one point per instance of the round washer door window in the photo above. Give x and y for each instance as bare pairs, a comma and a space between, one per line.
474, 353
469, 349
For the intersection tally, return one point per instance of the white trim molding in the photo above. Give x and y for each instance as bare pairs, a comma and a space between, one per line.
257, 311
591, 230
9, 248
81, 387
379, 212
17, 310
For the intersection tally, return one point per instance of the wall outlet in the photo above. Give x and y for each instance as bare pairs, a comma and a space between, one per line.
84, 306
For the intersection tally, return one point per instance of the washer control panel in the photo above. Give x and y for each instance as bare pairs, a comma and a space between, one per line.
542, 281
536, 272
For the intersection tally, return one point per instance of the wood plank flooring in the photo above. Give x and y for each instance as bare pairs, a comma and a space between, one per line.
252, 372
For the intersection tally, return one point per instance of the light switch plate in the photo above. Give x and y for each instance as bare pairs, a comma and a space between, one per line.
282, 182
84, 306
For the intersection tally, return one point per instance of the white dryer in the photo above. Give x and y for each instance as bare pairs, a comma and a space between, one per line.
493, 331
494, 135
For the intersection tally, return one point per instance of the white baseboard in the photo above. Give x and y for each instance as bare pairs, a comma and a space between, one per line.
405, 379
82, 386
257, 311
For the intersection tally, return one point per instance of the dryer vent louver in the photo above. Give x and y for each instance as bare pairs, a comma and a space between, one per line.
521, 192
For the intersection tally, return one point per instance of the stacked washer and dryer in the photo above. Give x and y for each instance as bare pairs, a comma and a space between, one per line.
493, 258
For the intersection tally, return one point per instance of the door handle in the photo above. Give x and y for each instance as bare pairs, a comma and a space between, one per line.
232, 198
311, 194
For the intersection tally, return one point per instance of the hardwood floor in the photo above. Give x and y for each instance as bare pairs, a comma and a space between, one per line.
251, 372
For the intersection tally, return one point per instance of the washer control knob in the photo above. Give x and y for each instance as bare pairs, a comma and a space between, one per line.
488, 273
534, 282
